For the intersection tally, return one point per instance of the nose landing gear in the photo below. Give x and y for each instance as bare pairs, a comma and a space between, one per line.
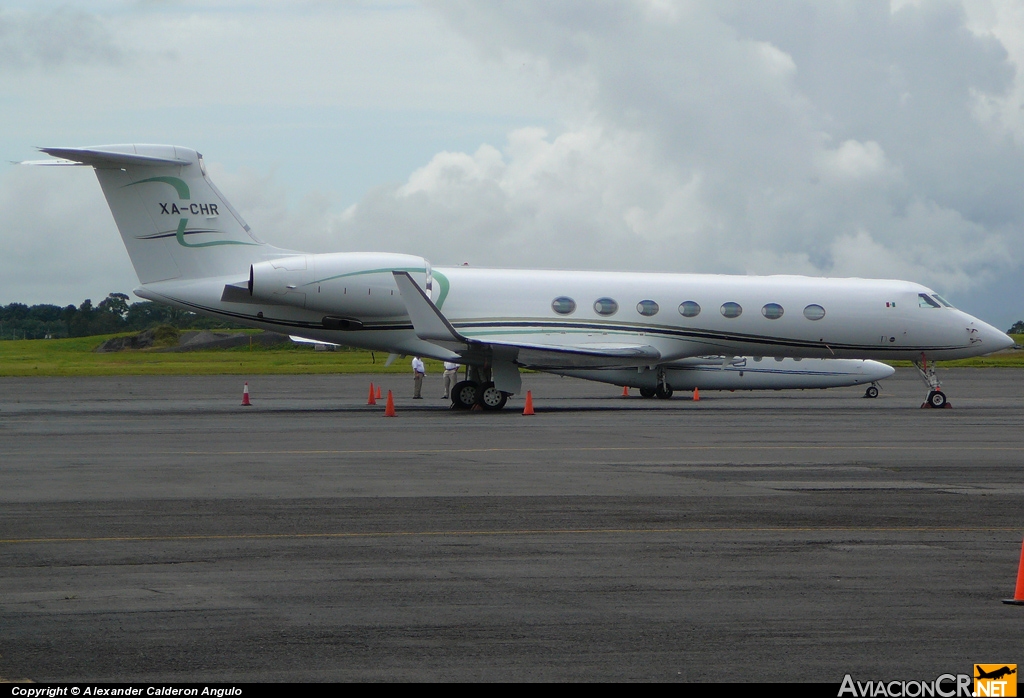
872, 390
936, 398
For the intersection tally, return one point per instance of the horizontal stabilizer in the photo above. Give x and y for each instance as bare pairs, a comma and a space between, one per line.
99, 157
50, 163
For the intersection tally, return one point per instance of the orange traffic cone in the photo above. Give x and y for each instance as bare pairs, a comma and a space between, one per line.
625, 391
389, 409
370, 400
378, 392
1018, 594
245, 396
696, 394
528, 410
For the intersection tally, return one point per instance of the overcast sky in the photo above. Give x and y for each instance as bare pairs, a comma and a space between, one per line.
861, 138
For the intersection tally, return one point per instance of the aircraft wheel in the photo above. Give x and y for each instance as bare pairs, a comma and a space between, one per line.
872, 391
937, 398
663, 391
491, 398
647, 392
464, 395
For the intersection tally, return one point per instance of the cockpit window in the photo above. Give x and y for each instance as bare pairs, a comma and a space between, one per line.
942, 300
926, 301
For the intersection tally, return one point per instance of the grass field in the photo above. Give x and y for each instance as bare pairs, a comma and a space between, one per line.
76, 357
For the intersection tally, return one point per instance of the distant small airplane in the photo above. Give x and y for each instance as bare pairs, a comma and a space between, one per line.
744, 373
722, 373
191, 249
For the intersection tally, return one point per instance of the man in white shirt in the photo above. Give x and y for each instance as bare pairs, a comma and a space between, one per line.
418, 371
451, 377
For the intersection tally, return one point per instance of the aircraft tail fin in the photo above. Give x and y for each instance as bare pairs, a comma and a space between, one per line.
173, 220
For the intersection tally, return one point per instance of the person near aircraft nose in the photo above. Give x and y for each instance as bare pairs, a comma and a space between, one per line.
418, 371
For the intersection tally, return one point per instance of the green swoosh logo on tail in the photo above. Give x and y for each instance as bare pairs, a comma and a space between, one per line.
180, 235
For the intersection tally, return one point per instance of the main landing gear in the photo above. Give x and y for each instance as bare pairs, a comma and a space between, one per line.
663, 390
936, 398
468, 394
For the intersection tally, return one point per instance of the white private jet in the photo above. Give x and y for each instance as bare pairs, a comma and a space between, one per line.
191, 249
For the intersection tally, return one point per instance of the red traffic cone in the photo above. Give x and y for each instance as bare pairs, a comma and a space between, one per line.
389, 409
370, 400
378, 392
1018, 594
625, 391
528, 410
245, 396
696, 394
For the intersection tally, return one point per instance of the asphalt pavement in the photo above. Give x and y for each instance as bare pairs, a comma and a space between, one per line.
152, 529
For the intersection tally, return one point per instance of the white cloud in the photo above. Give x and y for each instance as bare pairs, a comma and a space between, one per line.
853, 160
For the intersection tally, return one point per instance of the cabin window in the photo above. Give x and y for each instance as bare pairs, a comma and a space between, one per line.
772, 311
731, 310
926, 301
605, 306
563, 305
647, 308
814, 312
689, 309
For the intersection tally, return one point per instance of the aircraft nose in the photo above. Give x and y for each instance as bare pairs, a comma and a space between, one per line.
991, 338
999, 340
876, 370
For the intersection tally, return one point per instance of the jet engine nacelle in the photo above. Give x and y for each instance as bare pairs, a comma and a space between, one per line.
342, 284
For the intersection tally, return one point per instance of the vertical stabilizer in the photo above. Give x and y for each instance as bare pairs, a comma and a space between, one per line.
173, 220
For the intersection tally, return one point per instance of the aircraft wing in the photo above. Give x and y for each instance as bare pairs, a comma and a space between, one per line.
543, 350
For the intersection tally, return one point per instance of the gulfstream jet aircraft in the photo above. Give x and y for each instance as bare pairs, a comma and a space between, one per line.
192, 250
